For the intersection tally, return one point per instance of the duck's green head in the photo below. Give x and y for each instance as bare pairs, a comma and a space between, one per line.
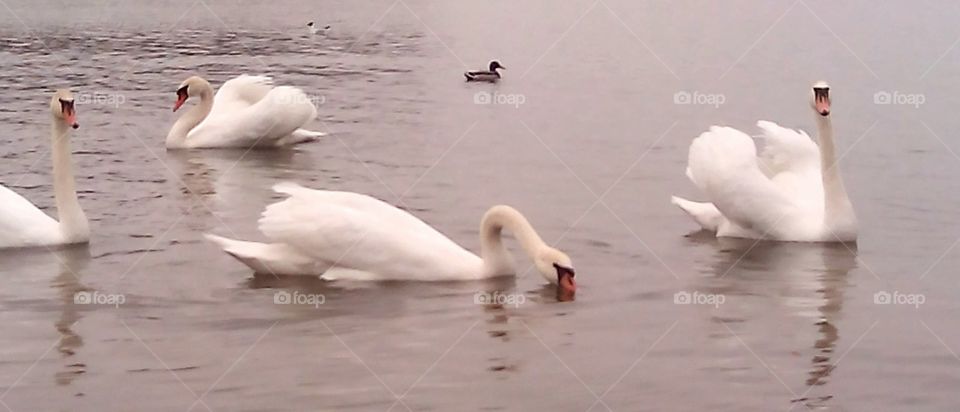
494, 65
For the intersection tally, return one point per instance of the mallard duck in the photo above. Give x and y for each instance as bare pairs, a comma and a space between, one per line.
485, 75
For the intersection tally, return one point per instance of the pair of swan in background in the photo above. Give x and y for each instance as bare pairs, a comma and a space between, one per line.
21, 223
792, 191
313, 29
344, 235
247, 111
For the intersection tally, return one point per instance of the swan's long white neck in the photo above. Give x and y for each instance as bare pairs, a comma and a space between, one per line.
73, 222
178, 133
837, 205
496, 259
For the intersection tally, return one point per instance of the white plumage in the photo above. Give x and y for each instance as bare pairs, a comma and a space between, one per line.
350, 235
791, 191
247, 111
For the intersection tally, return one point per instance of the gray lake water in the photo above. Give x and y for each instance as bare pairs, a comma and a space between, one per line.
591, 156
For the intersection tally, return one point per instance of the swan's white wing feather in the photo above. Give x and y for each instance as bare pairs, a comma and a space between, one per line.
23, 224
365, 235
723, 161
358, 202
787, 149
238, 93
266, 123
792, 162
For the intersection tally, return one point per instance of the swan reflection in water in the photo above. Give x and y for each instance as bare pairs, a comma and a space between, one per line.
231, 182
381, 302
808, 278
62, 266
71, 262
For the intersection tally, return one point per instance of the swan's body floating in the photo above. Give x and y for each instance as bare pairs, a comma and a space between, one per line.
344, 235
791, 192
248, 111
313, 29
21, 223
485, 75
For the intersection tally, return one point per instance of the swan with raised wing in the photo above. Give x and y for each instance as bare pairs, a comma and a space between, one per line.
345, 235
247, 111
21, 223
792, 191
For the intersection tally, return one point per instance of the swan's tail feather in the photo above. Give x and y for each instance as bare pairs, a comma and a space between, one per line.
705, 214
301, 136
268, 258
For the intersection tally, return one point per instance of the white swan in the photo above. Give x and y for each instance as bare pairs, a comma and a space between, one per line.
791, 192
344, 235
21, 223
248, 111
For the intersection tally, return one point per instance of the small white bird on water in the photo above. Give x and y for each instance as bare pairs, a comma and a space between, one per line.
314, 29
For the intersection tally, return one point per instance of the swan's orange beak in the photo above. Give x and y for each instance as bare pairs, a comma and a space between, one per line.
182, 96
69, 113
181, 99
822, 96
71, 120
565, 279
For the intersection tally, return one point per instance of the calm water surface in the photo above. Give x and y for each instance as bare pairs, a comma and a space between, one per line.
591, 156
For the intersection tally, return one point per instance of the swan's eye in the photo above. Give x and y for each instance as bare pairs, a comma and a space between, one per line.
182, 92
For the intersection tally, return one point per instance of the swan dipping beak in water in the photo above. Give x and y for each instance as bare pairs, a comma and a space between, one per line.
352, 236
